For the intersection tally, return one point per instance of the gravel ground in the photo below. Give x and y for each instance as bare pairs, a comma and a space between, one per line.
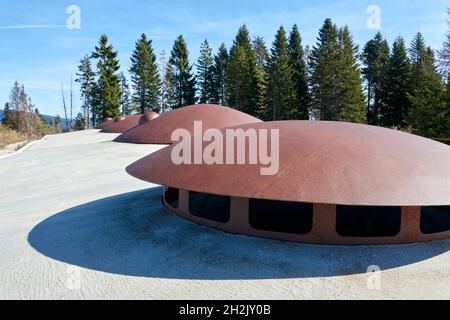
74, 225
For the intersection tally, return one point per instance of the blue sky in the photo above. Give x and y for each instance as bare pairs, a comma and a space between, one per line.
38, 50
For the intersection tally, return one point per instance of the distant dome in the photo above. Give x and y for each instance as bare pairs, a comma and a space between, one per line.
124, 123
349, 175
159, 131
105, 123
151, 116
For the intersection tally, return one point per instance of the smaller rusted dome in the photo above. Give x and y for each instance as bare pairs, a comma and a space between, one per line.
123, 123
151, 116
159, 131
107, 122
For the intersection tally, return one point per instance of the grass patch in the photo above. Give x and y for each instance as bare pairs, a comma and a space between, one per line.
8, 136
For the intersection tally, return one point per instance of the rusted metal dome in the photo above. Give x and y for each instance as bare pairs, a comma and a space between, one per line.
160, 130
124, 123
347, 174
323, 162
105, 123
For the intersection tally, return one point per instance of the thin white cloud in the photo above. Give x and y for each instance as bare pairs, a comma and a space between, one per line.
41, 84
33, 26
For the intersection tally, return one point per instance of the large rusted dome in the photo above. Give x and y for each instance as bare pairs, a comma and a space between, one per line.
124, 123
321, 162
337, 183
160, 130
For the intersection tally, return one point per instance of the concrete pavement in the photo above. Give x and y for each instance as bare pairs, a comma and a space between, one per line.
75, 225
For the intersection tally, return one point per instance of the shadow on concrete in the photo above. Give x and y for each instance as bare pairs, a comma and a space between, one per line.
132, 234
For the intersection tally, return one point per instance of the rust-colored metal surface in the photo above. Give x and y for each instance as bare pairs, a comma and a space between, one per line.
322, 163
324, 225
122, 124
107, 122
149, 116
160, 130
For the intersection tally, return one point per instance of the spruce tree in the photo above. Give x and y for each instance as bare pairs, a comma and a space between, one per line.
79, 122
261, 53
108, 87
144, 76
205, 73
397, 86
350, 99
38, 114
219, 72
323, 68
417, 51
242, 80
429, 113
166, 93
381, 74
262, 58
96, 104
8, 116
182, 78
280, 86
126, 105
299, 74
86, 79
336, 83
447, 92
376, 57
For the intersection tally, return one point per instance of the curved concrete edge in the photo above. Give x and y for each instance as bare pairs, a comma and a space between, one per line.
24, 148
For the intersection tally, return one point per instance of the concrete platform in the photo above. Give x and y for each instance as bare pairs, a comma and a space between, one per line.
74, 225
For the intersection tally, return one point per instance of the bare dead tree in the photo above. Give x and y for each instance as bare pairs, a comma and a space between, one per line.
65, 107
71, 102
444, 53
26, 115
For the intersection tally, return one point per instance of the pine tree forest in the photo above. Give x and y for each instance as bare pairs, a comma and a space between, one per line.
395, 85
